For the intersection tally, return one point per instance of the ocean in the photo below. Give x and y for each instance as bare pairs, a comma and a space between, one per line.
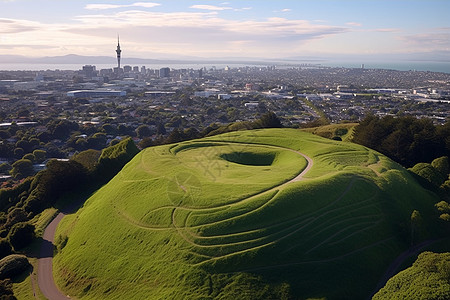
401, 66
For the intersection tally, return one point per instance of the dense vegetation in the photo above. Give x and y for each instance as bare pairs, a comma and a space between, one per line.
21, 204
427, 279
406, 140
199, 220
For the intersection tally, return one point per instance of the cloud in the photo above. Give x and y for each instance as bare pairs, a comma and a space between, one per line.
201, 33
243, 9
113, 6
439, 38
353, 24
387, 30
283, 10
210, 7
16, 26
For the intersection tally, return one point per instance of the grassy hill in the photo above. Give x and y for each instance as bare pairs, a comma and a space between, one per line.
228, 217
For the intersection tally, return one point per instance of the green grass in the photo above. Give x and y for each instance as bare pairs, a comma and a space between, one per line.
203, 219
344, 131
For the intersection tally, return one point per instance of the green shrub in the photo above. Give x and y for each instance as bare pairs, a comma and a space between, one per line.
340, 131
441, 165
30, 157
88, 159
428, 172
6, 291
427, 279
22, 168
13, 265
39, 155
5, 248
20, 235
114, 158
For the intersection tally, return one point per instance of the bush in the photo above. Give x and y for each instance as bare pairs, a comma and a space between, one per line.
5, 248
114, 158
427, 279
39, 155
22, 168
30, 157
441, 165
21, 235
88, 159
5, 168
428, 172
6, 291
340, 131
13, 265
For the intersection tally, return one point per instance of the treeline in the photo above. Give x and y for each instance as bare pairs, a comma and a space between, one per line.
86, 171
406, 140
267, 120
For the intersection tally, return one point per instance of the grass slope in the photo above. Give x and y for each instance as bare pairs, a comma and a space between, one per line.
221, 218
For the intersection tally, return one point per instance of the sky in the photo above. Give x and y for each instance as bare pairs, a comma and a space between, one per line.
381, 29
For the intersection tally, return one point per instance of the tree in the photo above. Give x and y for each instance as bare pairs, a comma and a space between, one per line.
40, 155
22, 168
88, 159
114, 158
20, 235
18, 152
146, 142
270, 120
5, 248
174, 137
161, 129
143, 131
63, 129
441, 164
5, 168
29, 156
25, 145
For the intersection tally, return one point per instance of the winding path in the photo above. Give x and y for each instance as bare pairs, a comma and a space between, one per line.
45, 263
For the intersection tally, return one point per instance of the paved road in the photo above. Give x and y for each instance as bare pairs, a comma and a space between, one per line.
45, 263
308, 167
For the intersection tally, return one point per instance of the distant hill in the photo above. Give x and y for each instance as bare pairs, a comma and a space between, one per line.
80, 59
260, 214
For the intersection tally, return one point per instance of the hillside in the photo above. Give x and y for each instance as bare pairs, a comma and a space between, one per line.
272, 213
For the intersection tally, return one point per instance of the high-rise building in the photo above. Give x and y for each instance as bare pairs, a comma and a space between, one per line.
89, 71
127, 69
164, 72
118, 51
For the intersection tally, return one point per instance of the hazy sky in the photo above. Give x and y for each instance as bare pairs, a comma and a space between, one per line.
208, 28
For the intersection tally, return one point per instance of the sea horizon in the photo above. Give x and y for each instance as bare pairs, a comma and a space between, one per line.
430, 66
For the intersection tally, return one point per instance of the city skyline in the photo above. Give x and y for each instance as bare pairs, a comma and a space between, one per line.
381, 30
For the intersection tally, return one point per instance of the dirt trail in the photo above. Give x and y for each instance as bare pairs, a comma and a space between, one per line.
45, 263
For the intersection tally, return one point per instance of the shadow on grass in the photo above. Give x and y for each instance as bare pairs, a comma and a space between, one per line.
23, 275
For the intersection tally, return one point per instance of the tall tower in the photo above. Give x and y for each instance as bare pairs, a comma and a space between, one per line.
118, 51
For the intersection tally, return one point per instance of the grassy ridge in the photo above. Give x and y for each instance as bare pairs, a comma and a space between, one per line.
205, 218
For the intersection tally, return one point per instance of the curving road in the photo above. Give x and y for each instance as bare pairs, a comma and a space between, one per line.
45, 263
299, 177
